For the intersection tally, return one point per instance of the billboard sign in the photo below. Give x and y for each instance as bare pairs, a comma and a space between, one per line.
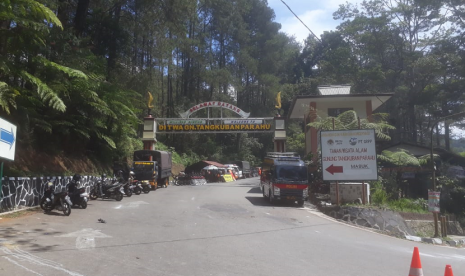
7, 140
348, 155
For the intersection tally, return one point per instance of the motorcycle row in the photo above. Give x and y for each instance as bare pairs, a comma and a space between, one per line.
76, 194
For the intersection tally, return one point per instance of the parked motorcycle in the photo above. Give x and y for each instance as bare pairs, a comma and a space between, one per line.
145, 185
101, 190
59, 201
127, 189
130, 186
78, 194
137, 187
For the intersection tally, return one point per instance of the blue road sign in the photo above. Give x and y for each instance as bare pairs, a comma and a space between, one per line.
7, 136
7, 140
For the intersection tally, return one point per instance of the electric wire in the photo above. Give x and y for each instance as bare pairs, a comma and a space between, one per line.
301, 21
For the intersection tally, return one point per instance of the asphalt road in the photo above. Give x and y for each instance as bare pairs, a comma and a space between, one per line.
216, 229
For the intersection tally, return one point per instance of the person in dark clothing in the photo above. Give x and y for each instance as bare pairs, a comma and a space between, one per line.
73, 190
72, 187
104, 177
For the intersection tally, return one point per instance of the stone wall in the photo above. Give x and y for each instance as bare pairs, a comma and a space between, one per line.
425, 228
20, 192
389, 222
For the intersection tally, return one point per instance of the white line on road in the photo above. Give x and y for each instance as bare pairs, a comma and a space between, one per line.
134, 204
22, 266
193, 198
24, 256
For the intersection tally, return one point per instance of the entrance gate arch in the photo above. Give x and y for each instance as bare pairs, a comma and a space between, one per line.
187, 125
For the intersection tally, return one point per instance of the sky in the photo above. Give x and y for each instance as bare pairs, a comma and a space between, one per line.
316, 14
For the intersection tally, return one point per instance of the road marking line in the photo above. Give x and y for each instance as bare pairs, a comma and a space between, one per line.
21, 255
22, 266
134, 204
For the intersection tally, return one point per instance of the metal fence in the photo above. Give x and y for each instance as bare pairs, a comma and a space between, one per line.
20, 192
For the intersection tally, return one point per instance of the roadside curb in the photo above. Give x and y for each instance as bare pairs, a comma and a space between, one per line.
432, 240
18, 210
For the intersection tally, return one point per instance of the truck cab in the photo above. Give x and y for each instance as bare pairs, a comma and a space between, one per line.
153, 166
284, 178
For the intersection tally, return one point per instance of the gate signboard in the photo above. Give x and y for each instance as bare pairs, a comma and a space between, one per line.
348, 155
224, 105
7, 140
186, 124
206, 125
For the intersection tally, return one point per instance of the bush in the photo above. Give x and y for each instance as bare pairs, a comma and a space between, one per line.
408, 205
184, 159
379, 197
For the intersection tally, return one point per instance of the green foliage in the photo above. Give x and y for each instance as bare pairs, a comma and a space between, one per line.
349, 120
379, 195
381, 198
185, 159
296, 139
403, 158
46, 94
409, 205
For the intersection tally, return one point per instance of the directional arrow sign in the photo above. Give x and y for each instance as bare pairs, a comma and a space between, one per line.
7, 140
85, 238
335, 169
7, 136
348, 155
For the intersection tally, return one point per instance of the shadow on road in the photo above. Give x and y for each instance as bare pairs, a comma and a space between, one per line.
26, 239
260, 201
54, 213
255, 190
228, 184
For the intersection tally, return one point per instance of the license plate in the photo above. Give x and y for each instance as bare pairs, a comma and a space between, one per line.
290, 197
291, 186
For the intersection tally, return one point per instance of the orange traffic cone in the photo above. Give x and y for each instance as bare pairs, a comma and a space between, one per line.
415, 266
448, 271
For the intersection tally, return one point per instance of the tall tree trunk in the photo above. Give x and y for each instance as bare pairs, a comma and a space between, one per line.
447, 135
412, 121
4, 25
162, 103
80, 18
113, 45
62, 12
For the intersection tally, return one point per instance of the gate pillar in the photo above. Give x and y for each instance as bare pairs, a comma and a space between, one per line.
279, 138
148, 136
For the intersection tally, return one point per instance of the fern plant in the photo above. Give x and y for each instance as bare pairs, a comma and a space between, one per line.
349, 120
